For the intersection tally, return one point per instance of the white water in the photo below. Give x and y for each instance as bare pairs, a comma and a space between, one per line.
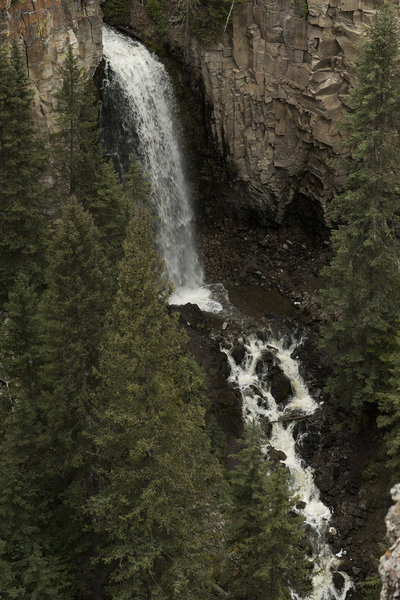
149, 110
258, 403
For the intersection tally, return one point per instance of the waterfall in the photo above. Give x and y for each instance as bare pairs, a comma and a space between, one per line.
139, 99
148, 123
260, 405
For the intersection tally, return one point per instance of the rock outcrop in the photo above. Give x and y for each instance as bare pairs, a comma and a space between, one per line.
389, 568
44, 28
275, 86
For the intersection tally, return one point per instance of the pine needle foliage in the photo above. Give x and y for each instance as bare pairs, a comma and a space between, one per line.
22, 160
156, 508
265, 533
363, 280
73, 310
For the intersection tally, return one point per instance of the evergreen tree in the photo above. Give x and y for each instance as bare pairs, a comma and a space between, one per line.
265, 533
389, 404
21, 163
76, 140
110, 209
137, 187
73, 311
158, 482
28, 566
363, 278
82, 168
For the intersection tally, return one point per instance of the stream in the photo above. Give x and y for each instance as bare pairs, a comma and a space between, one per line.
140, 116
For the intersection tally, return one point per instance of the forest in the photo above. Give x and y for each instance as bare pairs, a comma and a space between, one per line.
112, 483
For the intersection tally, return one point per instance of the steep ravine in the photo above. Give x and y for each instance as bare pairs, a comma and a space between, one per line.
357, 523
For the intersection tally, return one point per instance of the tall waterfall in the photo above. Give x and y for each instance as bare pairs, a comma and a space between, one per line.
144, 121
147, 117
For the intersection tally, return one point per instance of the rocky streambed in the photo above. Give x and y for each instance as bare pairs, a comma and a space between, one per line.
273, 275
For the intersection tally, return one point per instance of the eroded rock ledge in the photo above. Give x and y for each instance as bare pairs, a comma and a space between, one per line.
275, 87
44, 28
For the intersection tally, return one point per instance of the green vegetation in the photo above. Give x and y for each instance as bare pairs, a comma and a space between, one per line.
265, 533
363, 278
22, 157
110, 480
117, 11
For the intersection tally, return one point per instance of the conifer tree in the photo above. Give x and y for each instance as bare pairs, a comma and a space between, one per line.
76, 140
28, 565
265, 534
363, 278
158, 482
73, 311
22, 197
110, 208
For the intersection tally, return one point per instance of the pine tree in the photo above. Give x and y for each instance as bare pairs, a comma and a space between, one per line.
389, 404
73, 311
158, 482
265, 534
22, 197
109, 206
82, 167
137, 187
76, 140
363, 278
28, 565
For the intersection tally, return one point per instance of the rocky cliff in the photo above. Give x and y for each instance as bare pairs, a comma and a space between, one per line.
44, 28
275, 86
389, 567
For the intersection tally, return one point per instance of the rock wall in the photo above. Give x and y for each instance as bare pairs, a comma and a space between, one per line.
389, 568
275, 86
44, 28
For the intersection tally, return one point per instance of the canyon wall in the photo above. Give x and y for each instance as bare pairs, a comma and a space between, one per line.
44, 28
275, 86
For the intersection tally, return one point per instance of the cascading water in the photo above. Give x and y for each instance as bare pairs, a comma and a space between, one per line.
260, 405
147, 118
144, 121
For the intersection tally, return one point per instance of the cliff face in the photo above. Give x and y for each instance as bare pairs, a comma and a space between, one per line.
389, 568
275, 87
44, 28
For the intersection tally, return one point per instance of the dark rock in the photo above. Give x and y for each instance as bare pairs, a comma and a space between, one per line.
276, 454
338, 580
280, 386
238, 352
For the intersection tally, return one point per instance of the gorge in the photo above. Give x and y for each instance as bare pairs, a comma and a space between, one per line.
266, 98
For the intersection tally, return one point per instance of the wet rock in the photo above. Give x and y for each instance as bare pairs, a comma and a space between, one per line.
277, 455
338, 580
281, 388
238, 352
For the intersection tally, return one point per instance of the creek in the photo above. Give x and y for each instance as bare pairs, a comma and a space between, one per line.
140, 116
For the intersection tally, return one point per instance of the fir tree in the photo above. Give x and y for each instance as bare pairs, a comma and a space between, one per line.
76, 140
109, 206
158, 482
363, 278
73, 311
265, 534
28, 565
22, 198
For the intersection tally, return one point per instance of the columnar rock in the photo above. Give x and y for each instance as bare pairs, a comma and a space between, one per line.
389, 568
44, 28
276, 87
